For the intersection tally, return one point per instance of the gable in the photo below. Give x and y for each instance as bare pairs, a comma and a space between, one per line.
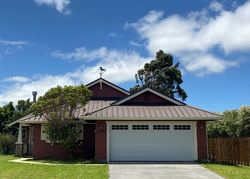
104, 90
149, 97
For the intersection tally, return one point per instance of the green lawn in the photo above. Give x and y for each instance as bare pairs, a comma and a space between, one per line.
68, 161
230, 171
34, 171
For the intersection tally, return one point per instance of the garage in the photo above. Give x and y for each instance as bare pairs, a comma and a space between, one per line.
151, 141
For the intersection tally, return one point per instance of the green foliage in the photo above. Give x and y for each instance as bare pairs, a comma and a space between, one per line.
235, 123
23, 105
64, 133
59, 106
9, 113
61, 103
244, 121
7, 144
162, 75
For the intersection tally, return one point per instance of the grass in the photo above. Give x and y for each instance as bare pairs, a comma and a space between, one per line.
67, 161
229, 171
9, 170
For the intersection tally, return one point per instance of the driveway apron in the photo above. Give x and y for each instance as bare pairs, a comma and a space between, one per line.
160, 171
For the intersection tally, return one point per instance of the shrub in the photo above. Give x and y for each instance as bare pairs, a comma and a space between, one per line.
7, 144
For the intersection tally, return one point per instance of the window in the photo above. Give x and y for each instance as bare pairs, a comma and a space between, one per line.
140, 127
182, 127
43, 132
119, 127
161, 127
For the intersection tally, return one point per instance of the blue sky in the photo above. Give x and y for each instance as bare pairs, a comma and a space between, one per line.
44, 43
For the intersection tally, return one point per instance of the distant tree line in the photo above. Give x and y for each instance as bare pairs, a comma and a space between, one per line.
10, 113
235, 123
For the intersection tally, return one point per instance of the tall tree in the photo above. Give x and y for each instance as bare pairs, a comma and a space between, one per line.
7, 115
59, 107
23, 105
161, 74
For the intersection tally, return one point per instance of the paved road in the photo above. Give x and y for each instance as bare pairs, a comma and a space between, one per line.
160, 171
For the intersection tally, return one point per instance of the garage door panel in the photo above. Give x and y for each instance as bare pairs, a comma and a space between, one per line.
151, 145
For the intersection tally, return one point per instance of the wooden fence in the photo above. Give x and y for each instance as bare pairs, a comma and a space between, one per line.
231, 150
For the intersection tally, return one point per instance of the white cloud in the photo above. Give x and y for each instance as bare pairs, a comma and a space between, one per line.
13, 43
8, 47
136, 44
17, 90
113, 35
204, 64
198, 32
60, 5
18, 79
82, 54
216, 6
121, 66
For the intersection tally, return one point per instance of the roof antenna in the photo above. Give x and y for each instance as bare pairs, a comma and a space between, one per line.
102, 70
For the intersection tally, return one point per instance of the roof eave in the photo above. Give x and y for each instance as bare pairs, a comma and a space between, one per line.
150, 118
13, 123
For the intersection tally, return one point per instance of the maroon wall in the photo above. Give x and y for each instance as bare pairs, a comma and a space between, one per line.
89, 141
42, 149
105, 92
148, 98
101, 141
202, 140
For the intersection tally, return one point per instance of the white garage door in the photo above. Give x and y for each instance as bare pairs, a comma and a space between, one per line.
137, 141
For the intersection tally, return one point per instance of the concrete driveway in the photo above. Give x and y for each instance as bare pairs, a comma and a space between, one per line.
160, 171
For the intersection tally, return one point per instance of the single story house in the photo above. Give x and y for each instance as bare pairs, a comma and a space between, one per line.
119, 126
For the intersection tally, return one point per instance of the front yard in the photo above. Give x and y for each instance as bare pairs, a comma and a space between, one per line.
9, 170
229, 171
